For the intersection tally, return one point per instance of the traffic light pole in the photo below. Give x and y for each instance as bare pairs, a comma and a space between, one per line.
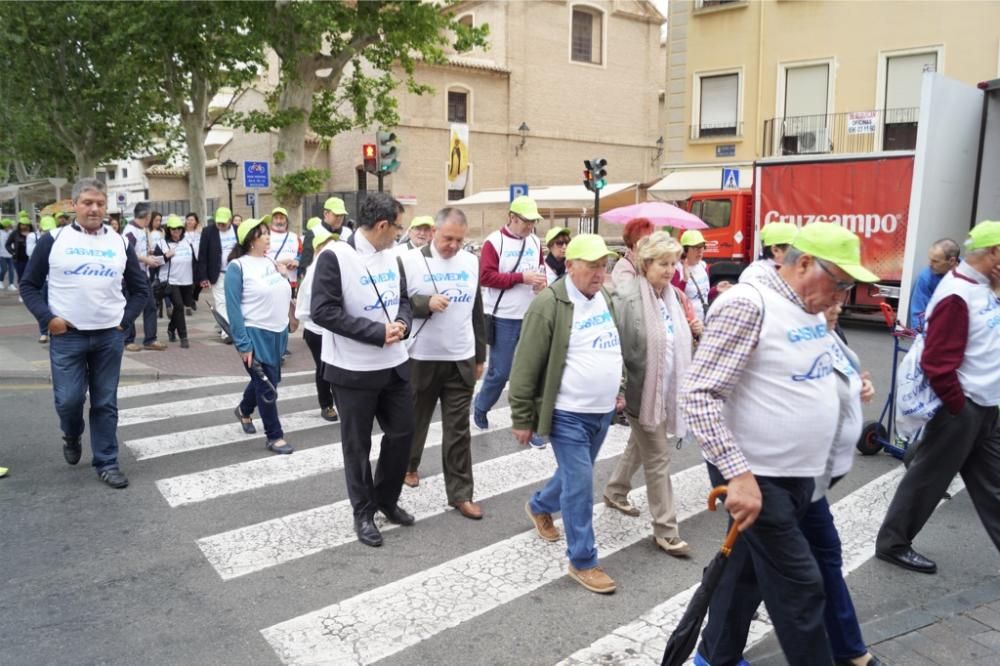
380, 176
597, 208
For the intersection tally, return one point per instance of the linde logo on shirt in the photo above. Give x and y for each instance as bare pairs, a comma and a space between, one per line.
377, 278
388, 298
514, 254
90, 269
90, 252
590, 322
456, 295
447, 277
608, 340
821, 367
816, 332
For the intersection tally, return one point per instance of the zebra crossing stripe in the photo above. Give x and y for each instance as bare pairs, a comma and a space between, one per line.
389, 619
257, 547
272, 470
173, 410
153, 388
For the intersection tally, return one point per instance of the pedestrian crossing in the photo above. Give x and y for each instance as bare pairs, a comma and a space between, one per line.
244, 540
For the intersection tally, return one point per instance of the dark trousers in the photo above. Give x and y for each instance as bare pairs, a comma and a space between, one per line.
445, 381
324, 389
771, 561
967, 443
840, 618
182, 296
253, 396
148, 322
388, 400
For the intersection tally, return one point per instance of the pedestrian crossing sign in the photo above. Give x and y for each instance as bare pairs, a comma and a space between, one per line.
730, 179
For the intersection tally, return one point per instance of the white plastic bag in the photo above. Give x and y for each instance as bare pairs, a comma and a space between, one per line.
916, 401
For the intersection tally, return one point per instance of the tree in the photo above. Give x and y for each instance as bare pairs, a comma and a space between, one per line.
193, 51
337, 69
62, 67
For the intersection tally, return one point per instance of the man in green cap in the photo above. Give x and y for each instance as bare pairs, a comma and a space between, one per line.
63, 218
511, 272
214, 247
285, 246
764, 359
419, 234
334, 216
565, 385
961, 360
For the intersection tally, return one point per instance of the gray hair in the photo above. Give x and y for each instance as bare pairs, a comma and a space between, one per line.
654, 246
950, 248
792, 255
450, 214
141, 210
87, 185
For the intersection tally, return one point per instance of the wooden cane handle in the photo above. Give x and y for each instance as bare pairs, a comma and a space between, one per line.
734, 530
714, 496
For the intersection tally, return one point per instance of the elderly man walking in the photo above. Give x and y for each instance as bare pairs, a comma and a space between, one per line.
758, 399
942, 256
447, 351
89, 269
565, 385
214, 247
360, 298
961, 360
138, 239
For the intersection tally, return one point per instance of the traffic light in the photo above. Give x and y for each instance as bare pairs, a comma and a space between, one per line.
388, 153
370, 157
594, 174
588, 176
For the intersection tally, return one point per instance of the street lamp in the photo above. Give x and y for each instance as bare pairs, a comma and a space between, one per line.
229, 168
523, 131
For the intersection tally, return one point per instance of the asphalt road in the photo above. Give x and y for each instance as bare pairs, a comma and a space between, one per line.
226, 563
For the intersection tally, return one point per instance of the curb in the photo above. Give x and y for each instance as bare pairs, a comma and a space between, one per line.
45, 379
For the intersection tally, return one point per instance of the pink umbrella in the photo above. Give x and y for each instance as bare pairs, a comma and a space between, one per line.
660, 213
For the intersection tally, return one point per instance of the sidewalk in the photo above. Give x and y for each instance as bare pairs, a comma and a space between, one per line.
23, 360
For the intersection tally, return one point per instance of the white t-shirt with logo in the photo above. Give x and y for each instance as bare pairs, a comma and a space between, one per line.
227, 239
697, 287
266, 294
180, 269
515, 301
285, 246
448, 335
593, 370
85, 278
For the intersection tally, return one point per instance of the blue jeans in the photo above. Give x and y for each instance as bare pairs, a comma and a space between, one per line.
7, 270
576, 440
148, 321
506, 334
839, 616
252, 398
83, 360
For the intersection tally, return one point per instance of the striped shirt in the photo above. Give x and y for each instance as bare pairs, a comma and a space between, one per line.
731, 334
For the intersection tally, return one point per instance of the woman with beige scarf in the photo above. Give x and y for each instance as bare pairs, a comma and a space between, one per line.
656, 340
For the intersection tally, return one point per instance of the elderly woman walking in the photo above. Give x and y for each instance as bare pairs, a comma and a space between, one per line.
657, 343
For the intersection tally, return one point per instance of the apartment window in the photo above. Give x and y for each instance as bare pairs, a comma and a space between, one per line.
699, 4
805, 109
719, 103
585, 40
102, 176
111, 174
124, 173
458, 106
903, 78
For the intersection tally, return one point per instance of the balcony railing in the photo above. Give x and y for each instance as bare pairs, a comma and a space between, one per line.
732, 130
851, 132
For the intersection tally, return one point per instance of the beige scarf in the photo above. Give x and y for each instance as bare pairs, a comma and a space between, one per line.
659, 406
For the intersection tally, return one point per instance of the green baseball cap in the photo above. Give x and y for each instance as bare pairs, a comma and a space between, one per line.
174, 222
321, 236
983, 235
422, 221
248, 225
279, 211
223, 215
47, 223
311, 223
588, 247
335, 205
692, 237
778, 233
23, 214
835, 244
555, 232
524, 206
63, 213
6, 223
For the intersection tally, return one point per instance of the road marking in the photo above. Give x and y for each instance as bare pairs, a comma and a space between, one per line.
858, 517
272, 470
389, 619
257, 547
212, 403
154, 387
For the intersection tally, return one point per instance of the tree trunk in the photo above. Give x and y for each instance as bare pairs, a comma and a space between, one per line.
297, 95
86, 164
194, 122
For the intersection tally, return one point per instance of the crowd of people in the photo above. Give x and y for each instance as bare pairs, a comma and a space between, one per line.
397, 329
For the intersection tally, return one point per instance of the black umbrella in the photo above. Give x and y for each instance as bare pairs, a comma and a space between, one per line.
255, 367
682, 642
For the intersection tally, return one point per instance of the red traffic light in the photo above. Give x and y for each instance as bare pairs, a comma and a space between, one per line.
370, 157
369, 151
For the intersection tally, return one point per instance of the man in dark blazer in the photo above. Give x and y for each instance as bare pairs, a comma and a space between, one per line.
217, 241
359, 296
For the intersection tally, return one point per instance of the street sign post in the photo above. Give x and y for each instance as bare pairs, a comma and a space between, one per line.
256, 175
518, 190
730, 178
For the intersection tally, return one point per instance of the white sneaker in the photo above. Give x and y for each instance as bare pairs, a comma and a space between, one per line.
12, 287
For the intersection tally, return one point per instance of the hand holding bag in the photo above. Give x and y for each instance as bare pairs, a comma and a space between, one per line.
916, 401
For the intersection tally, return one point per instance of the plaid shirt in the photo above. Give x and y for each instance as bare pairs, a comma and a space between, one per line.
731, 334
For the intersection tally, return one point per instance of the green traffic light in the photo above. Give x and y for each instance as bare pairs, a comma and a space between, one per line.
600, 184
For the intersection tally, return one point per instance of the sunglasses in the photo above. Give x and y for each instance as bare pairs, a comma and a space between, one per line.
561, 243
841, 285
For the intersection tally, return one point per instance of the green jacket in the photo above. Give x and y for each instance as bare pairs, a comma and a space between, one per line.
540, 357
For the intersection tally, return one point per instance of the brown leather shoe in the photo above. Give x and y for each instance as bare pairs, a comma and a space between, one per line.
675, 546
155, 346
412, 479
624, 506
594, 579
544, 524
469, 509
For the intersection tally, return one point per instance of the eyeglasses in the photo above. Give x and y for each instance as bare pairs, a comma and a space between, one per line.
561, 243
840, 285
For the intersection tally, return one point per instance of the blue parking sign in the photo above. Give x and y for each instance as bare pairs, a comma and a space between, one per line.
518, 190
255, 174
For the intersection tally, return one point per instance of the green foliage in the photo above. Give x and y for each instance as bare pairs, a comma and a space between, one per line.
290, 188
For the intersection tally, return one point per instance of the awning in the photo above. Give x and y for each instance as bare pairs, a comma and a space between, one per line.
559, 197
682, 183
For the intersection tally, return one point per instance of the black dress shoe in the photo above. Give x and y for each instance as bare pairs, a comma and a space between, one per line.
368, 534
398, 516
909, 559
71, 449
113, 477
